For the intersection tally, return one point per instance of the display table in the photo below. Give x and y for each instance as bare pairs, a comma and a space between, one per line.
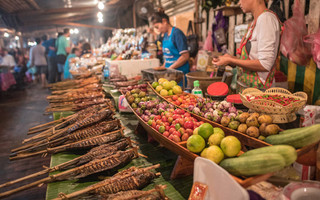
131, 68
176, 189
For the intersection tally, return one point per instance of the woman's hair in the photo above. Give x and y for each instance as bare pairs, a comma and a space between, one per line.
73, 51
158, 16
38, 40
86, 47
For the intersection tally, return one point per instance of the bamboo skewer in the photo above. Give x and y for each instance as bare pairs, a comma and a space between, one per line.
97, 165
89, 142
102, 183
117, 145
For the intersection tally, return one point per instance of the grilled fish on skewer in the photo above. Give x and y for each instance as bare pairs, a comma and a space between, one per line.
111, 162
155, 194
83, 144
129, 179
98, 152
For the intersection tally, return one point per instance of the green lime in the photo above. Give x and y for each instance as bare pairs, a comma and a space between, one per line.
155, 84
205, 130
230, 146
195, 143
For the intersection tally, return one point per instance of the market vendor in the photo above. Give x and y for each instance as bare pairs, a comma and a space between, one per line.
258, 49
174, 44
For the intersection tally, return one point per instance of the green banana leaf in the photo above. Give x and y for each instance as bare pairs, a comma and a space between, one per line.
176, 189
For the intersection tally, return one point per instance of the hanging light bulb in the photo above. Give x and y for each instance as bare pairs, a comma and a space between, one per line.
100, 20
6, 34
16, 37
100, 5
76, 31
71, 31
99, 15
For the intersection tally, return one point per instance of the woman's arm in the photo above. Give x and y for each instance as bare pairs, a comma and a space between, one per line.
181, 61
252, 65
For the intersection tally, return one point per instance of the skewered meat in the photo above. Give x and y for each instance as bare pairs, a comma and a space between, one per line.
111, 162
98, 152
129, 179
154, 194
83, 144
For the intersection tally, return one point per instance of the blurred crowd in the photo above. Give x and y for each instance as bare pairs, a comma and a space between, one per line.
46, 62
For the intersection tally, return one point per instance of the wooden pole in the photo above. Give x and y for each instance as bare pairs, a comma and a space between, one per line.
84, 25
134, 15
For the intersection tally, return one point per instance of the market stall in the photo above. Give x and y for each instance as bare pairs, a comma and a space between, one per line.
123, 129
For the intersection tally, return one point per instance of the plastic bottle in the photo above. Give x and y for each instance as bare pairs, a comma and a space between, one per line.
196, 89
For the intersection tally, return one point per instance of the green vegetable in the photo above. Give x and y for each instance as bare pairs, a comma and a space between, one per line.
254, 164
296, 137
288, 152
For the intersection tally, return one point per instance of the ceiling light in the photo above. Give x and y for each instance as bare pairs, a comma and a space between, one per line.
71, 31
101, 5
99, 15
6, 34
100, 20
76, 31
16, 37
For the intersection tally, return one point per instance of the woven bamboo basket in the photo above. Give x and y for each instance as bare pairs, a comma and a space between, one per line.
279, 112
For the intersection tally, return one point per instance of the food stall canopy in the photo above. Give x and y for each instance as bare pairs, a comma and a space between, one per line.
35, 15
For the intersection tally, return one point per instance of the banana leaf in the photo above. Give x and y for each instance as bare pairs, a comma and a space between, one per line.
176, 189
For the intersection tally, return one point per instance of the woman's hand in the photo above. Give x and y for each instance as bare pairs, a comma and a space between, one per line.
222, 60
159, 68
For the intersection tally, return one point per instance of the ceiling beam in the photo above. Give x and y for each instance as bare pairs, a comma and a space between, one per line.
85, 25
56, 10
34, 4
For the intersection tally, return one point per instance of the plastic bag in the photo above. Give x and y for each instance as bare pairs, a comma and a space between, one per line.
208, 43
292, 45
314, 39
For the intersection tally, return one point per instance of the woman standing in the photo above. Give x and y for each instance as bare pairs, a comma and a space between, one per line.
258, 49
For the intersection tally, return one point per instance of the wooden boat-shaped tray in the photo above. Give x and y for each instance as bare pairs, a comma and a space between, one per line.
180, 149
244, 139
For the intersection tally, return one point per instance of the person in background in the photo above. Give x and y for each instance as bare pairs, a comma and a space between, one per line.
63, 48
86, 48
75, 52
20, 71
174, 44
7, 59
39, 60
258, 49
52, 60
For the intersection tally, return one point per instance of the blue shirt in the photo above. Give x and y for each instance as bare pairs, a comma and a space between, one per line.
50, 43
66, 72
179, 40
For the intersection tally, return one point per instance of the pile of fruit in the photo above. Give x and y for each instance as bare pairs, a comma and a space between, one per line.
274, 97
135, 96
212, 144
175, 124
166, 88
141, 87
184, 101
252, 124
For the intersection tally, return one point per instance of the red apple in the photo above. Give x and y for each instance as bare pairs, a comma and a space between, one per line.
174, 97
187, 114
170, 137
170, 119
166, 134
189, 132
177, 133
154, 124
184, 137
176, 138
167, 128
157, 127
182, 130
181, 121
171, 130
188, 125
163, 118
